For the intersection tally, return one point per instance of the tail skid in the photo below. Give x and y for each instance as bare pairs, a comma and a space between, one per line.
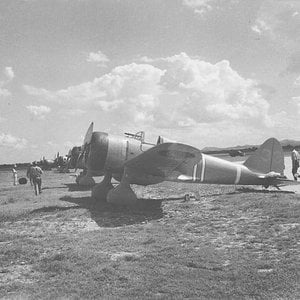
267, 158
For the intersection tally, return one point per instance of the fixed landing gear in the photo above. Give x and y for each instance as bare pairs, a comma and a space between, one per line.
122, 194
84, 180
100, 190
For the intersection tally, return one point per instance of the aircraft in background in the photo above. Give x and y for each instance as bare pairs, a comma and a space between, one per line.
130, 160
234, 153
59, 162
46, 164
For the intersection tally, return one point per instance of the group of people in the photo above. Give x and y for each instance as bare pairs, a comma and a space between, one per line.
34, 174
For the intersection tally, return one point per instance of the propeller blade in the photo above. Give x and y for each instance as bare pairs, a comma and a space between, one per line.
88, 135
87, 139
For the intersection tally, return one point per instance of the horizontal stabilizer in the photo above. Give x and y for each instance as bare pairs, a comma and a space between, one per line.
283, 182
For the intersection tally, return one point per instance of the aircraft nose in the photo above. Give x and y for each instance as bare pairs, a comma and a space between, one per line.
98, 149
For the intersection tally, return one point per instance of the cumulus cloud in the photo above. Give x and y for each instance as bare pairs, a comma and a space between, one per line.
202, 7
199, 6
7, 140
39, 111
211, 92
9, 73
81, 93
128, 81
172, 92
98, 57
261, 27
278, 21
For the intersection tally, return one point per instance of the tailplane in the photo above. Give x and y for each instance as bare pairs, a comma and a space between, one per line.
267, 158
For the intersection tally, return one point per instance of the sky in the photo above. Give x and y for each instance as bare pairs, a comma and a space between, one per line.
202, 72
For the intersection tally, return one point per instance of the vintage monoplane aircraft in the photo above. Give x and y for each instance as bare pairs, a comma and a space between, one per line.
130, 160
59, 162
46, 164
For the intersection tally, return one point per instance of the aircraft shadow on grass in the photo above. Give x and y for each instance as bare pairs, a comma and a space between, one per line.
74, 187
108, 215
54, 208
262, 191
245, 190
53, 187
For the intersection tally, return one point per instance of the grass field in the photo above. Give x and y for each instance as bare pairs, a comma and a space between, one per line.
223, 244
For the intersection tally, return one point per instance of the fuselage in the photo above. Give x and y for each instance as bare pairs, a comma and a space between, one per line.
109, 153
214, 170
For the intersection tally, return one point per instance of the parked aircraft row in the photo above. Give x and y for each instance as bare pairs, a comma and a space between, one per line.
131, 160
59, 162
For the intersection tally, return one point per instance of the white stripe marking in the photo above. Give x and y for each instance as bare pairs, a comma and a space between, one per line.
238, 174
203, 168
195, 172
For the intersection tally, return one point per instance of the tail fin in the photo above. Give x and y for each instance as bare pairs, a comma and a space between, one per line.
267, 158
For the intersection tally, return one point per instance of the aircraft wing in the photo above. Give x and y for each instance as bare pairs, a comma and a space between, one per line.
167, 161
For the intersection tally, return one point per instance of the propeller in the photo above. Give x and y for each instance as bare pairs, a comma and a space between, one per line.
84, 147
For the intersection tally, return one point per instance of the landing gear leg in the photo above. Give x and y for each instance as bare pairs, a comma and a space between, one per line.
100, 190
84, 180
122, 194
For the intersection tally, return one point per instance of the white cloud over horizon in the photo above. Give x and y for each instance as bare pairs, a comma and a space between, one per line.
98, 57
173, 92
39, 111
10, 141
204, 72
199, 6
278, 20
9, 75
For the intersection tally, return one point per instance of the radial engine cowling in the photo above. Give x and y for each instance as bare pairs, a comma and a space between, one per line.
97, 152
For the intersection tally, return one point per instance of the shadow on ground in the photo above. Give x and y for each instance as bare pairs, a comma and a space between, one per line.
53, 187
74, 187
54, 208
242, 190
108, 215
262, 191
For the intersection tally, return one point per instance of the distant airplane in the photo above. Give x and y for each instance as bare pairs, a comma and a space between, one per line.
234, 153
60, 162
46, 164
130, 160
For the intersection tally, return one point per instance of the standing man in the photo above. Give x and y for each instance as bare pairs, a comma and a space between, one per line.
36, 174
15, 174
295, 163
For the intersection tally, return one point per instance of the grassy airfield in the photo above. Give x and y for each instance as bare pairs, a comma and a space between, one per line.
226, 243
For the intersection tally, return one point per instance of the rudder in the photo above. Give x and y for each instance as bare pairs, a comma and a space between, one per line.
267, 158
